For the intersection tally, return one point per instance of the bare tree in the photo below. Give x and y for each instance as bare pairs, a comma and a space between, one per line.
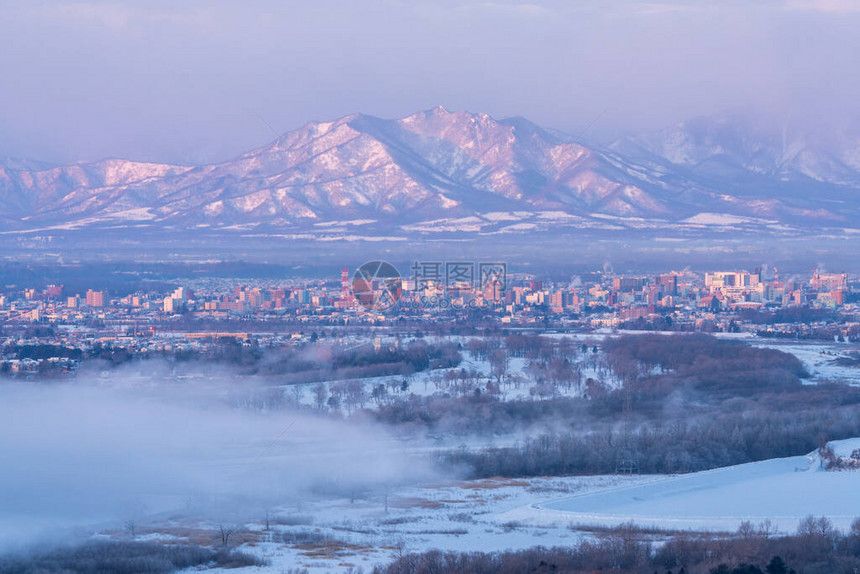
298, 392
400, 547
333, 402
499, 364
225, 533
379, 393
355, 395
320, 395
130, 527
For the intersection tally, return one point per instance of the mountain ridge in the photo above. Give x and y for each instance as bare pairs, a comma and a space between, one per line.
442, 166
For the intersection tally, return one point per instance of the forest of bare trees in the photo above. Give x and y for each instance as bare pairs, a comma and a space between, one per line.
695, 402
815, 548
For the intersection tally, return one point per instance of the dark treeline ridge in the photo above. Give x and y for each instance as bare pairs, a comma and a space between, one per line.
818, 333
123, 558
303, 363
126, 277
816, 548
43, 352
797, 315
476, 324
728, 439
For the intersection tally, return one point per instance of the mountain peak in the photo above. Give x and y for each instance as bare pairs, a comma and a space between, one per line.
441, 113
436, 165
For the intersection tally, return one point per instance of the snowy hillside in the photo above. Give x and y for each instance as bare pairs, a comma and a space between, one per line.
781, 490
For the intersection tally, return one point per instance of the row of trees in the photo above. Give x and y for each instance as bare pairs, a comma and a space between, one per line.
695, 402
124, 558
709, 442
694, 356
302, 364
816, 548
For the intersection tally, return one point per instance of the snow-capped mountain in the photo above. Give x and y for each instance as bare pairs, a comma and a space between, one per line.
450, 171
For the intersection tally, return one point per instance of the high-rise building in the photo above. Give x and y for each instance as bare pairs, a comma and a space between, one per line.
181, 293
344, 283
628, 283
493, 290
255, 297
54, 291
96, 298
173, 305
556, 301
735, 279
828, 281
667, 284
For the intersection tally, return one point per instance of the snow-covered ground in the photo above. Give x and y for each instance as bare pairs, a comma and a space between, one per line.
332, 535
819, 357
780, 490
517, 384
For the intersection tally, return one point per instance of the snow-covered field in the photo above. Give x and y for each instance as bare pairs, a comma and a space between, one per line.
335, 534
780, 490
819, 358
517, 383
486, 515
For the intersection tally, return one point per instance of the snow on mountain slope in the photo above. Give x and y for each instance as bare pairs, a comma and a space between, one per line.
437, 166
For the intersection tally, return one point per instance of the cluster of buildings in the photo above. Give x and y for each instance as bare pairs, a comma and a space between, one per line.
607, 298
685, 294
289, 312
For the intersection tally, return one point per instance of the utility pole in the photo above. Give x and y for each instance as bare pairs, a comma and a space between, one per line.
627, 461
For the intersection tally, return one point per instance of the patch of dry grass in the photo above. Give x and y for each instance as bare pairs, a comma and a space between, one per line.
493, 483
331, 549
413, 502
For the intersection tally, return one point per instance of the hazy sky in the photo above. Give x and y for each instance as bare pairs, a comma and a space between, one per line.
184, 81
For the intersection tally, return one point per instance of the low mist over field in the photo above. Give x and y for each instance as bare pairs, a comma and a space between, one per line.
92, 452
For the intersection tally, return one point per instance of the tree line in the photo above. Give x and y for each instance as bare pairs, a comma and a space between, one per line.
815, 548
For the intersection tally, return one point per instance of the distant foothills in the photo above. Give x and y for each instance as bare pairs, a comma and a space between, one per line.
439, 174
